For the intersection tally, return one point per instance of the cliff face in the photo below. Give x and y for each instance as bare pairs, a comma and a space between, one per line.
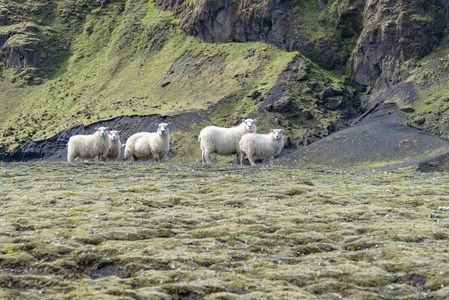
366, 40
395, 32
373, 38
301, 26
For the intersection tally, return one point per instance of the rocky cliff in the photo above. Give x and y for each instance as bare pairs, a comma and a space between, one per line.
377, 37
396, 32
312, 29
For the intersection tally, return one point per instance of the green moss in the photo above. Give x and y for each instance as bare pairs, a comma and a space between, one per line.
308, 18
279, 232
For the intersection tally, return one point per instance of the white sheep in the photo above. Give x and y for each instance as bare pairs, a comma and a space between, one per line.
223, 141
114, 150
258, 146
89, 147
144, 145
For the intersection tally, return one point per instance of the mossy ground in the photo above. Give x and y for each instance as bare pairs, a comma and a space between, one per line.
220, 232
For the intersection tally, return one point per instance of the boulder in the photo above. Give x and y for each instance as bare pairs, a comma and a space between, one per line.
283, 104
333, 104
329, 92
308, 114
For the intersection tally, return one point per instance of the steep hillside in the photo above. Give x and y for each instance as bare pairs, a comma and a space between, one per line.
129, 58
311, 67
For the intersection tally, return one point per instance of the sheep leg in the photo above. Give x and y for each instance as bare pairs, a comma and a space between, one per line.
242, 155
251, 160
206, 157
271, 160
203, 156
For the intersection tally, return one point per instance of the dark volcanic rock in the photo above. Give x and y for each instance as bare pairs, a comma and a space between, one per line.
302, 75
330, 92
20, 48
308, 114
255, 95
378, 140
388, 33
333, 104
408, 109
4, 17
283, 104
320, 4
394, 32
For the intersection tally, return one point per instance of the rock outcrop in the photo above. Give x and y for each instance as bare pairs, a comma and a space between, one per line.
377, 37
283, 23
395, 32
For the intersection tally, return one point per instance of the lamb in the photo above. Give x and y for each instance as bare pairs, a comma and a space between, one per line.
257, 146
224, 141
114, 150
89, 147
144, 145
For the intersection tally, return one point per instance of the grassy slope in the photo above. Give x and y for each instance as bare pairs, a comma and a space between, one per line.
129, 58
140, 230
118, 63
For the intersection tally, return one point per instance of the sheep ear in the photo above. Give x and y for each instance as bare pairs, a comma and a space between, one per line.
282, 130
118, 131
271, 130
157, 124
169, 123
109, 132
243, 120
255, 120
96, 128
106, 128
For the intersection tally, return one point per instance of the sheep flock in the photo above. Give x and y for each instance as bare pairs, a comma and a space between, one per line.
105, 145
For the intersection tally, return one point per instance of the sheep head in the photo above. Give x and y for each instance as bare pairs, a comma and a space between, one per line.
102, 131
162, 128
277, 133
114, 135
249, 123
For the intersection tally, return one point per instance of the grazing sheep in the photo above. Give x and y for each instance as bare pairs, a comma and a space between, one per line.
223, 141
114, 150
257, 146
144, 145
89, 147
